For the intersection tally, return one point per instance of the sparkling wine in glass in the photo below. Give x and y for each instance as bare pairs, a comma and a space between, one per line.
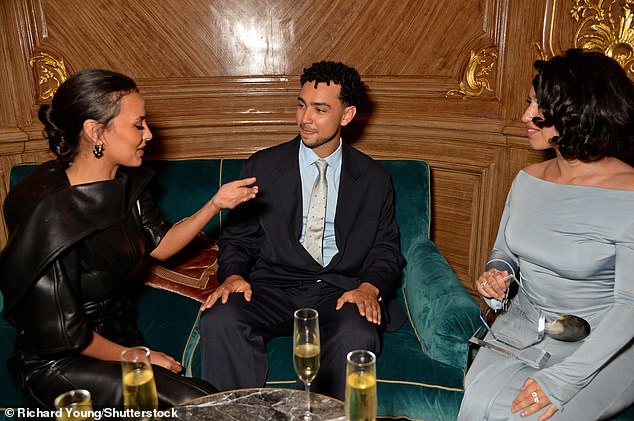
139, 388
360, 397
306, 349
74, 405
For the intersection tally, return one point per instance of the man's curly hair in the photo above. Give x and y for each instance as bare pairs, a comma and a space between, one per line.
589, 99
352, 87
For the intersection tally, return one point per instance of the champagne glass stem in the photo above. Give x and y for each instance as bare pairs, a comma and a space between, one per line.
307, 417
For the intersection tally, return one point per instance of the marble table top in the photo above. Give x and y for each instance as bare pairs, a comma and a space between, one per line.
258, 405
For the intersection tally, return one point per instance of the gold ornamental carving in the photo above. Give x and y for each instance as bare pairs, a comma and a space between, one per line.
475, 80
601, 26
49, 72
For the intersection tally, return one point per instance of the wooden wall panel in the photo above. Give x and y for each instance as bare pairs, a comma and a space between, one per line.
409, 47
235, 38
448, 82
453, 216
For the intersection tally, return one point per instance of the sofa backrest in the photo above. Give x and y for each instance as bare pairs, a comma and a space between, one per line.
181, 187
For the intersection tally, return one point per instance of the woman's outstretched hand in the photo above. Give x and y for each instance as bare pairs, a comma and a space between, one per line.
235, 193
165, 361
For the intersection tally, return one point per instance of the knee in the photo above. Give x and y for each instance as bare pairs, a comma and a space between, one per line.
221, 318
357, 331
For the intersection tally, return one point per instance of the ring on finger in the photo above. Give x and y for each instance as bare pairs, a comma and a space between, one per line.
535, 398
484, 284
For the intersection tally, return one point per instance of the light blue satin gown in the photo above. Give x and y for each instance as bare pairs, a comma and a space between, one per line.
574, 246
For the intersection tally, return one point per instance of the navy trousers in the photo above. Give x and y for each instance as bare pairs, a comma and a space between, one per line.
234, 335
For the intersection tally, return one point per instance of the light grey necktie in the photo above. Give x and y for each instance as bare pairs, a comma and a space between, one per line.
316, 220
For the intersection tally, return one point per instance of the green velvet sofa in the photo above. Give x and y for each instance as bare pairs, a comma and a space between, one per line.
421, 367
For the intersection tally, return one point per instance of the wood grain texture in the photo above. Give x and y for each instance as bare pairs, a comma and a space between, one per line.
189, 38
220, 78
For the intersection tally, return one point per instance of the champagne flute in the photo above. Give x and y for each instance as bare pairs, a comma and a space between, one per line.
360, 400
306, 350
74, 405
139, 388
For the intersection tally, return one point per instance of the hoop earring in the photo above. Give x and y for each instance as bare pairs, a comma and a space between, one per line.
98, 150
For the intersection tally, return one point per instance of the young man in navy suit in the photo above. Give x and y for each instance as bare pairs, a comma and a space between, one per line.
268, 273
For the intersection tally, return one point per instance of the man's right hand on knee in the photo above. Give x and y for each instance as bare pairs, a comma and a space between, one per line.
233, 284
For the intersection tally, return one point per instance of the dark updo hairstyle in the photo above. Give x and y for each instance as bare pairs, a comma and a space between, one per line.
90, 94
589, 99
352, 87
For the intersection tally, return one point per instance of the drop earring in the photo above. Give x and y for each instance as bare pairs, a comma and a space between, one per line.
98, 150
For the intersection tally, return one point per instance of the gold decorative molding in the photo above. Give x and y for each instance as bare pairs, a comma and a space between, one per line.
481, 65
601, 27
543, 55
49, 72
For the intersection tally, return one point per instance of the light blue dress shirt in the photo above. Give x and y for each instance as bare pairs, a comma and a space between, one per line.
308, 172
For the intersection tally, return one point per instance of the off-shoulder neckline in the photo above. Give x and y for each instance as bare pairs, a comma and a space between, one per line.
574, 186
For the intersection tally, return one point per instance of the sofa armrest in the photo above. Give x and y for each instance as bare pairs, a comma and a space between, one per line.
441, 310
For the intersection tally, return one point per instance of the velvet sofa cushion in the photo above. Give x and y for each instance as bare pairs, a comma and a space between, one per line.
441, 310
166, 320
412, 205
193, 272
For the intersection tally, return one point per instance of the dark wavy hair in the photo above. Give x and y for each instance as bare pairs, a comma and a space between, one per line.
89, 94
352, 87
589, 100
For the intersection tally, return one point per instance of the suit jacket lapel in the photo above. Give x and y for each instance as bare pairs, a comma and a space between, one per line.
348, 202
288, 189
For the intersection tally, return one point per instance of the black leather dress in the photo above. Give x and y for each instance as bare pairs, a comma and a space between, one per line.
65, 273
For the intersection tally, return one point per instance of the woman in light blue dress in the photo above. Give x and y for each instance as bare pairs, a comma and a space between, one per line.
567, 233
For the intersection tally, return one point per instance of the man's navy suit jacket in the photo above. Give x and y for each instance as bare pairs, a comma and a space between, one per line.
260, 240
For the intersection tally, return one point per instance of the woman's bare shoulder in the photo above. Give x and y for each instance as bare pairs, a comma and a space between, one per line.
621, 176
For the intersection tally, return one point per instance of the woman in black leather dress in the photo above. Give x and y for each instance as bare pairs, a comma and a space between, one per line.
78, 228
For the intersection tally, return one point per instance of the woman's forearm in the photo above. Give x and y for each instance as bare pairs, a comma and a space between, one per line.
103, 349
184, 231
228, 196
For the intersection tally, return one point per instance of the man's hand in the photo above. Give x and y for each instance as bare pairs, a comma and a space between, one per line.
233, 284
532, 399
366, 298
